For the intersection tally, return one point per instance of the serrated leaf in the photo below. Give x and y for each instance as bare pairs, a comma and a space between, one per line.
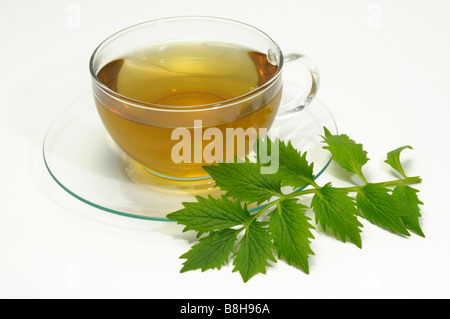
393, 159
267, 154
210, 214
334, 209
245, 181
346, 152
211, 252
290, 230
408, 197
381, 208
293, 168
255, 249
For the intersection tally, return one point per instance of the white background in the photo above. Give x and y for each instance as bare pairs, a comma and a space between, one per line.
385, 77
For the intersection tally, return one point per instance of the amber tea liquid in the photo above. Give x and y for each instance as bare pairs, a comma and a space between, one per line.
174, 84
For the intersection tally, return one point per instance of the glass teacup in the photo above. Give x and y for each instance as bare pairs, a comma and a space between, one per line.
179, 93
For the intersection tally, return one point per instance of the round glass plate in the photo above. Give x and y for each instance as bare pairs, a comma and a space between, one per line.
82, 159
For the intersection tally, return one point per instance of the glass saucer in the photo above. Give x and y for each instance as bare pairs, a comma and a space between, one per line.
82, 159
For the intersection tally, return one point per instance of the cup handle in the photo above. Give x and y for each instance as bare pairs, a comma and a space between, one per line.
298, 103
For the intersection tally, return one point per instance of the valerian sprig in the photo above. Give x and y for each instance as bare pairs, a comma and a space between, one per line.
280, 227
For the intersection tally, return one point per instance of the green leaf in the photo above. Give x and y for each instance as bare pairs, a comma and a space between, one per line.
333, 208
255, 248
393, 159
346, 152
294, 169
245, 181
408, 197
381, 208
290, 230
267, 154
210, 214
211, 252
232, 231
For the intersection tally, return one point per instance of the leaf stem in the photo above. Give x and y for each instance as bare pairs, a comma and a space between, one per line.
262, 210
405, 181
363, 178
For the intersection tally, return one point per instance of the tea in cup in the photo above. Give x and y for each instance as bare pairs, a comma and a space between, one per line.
179, 93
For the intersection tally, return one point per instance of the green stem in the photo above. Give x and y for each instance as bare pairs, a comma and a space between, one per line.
314, 184
363, 178
262, 210
405, 181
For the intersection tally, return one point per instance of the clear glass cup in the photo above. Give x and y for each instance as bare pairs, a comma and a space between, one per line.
156, 123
